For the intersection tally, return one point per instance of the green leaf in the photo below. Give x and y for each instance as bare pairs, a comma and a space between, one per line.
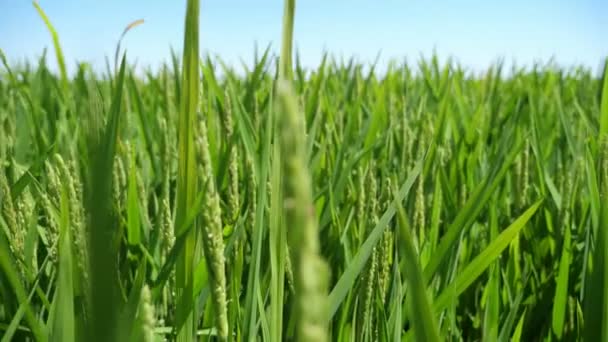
596, 293
472, 207
419, 303
277, 248
9, 272
491, 312
144, 123
56, 45
23, 307
7, 67
478, 265
186, 172
604, 104
507, 325
128, 313
133, 214
253, 281
245, 129
181, 235
519, 328
560, 300
102, 221
62, 328
352, 271
29, 175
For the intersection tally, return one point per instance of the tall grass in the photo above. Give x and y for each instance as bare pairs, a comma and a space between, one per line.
186, 182
196, 202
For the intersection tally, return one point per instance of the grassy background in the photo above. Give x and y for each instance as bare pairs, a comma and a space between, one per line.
338, 203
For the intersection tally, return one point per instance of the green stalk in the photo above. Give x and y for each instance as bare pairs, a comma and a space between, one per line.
285, 71
103, 223
419, 303
186, 174
277, 249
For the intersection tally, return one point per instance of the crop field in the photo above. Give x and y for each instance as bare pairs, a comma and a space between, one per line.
198, 202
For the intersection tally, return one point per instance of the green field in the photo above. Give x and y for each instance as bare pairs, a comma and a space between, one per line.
198, 202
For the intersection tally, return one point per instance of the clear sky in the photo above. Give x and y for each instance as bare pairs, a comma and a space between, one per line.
474, 32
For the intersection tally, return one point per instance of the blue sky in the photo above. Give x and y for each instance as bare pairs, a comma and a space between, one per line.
474, 32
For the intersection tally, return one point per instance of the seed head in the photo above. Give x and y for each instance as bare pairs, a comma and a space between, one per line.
213, 243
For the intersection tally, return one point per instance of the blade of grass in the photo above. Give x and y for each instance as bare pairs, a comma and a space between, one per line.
63, 319
561, 292
471, 209
58, 52
507, 325
277, 247
604, 103
129, 27
129, 311
491, 312
133, 214
352, 271
519, 328
253, 281
596, 293
7, 264
13, 326
419, 303
186, 170
104, 292
144, 123
478, 265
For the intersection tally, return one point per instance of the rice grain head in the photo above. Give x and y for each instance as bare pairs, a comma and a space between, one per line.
146, 315
386, 246
310, 270
233, 167
76, 219
119, 183
370, 276
10, 217
252, 190
213, 243
419, 214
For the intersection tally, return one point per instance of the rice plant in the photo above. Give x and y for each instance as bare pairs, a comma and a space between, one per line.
336, 203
